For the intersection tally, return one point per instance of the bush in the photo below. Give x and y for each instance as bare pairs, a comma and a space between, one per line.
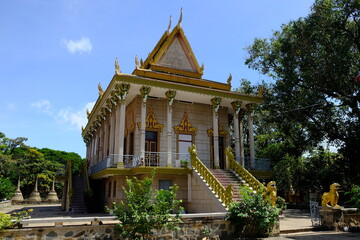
253, 216
11, 220
145, 210
354, 196
6, 188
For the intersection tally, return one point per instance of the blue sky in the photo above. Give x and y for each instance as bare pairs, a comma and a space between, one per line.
54, 53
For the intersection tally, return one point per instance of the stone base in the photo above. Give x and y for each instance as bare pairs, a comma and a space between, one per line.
18, 197
331, 217
52, 197
34, 197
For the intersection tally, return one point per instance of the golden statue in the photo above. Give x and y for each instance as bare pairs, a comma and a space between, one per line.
332, 196
229, 80
261, 91
270, 193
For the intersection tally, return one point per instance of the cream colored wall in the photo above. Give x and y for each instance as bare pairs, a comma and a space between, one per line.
180, 180
203, 200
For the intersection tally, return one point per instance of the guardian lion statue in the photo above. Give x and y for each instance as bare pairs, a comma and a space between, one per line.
270, 193
332, 196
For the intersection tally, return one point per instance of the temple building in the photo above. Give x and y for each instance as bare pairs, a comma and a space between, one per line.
154, 116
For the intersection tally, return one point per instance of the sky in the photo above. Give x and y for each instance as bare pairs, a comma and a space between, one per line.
54, 53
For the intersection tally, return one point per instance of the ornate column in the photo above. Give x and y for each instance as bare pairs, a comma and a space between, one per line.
105, 134
236, 106
249, 108
120, 125
241, 136
170, 95
216, 104
112, 106
144, 93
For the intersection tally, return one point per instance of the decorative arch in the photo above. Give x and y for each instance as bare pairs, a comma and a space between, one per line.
185, 126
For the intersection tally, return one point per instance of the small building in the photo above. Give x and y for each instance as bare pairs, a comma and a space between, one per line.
150, 118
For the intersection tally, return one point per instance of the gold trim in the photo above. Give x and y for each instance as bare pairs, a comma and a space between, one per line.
222, 131
152, 123
185, 126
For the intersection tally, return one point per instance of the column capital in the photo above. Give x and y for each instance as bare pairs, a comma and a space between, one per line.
170, 95
145, 90
122, 91
216, 103
250, 107
236, 106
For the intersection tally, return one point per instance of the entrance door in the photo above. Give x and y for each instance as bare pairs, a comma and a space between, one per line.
221, 153
151, 148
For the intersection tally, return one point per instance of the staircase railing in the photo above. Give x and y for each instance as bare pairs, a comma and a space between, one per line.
225, 194
242, 172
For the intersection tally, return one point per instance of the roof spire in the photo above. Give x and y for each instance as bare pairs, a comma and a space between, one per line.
180, 19
168, 30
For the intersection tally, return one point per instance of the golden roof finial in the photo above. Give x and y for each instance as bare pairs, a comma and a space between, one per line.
136, 62
117, 67
82, 128
141, 62
180, 19
229, 80
202, 68
168, 30
87, 113
101, 91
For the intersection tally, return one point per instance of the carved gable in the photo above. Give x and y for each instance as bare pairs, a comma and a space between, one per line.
176, 57
185, 126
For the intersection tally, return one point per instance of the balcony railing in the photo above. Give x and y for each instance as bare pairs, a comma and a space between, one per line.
152, 159
259, 164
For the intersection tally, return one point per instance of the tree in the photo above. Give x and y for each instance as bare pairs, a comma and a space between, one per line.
315, 99
144, 210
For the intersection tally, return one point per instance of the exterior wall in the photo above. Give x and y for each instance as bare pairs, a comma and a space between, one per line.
179, 180
203, 200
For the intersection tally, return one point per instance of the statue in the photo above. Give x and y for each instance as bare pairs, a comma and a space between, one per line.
137, 64
332, 196
270, 194
229, 80
101, 90
117, 67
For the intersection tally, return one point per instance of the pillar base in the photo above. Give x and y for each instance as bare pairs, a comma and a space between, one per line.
120, 165
168, 165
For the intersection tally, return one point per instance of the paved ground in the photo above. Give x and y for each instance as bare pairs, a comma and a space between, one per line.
295, 225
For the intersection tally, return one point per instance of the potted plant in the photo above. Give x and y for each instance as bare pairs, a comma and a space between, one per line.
184, 163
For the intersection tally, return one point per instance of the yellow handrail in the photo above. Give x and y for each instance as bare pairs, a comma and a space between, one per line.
242, 172
225, 194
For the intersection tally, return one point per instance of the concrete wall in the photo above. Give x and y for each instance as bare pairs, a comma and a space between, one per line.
203, 200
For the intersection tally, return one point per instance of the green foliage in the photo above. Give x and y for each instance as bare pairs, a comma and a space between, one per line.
354, 196
314, 98
19, 160
5, 221
145, 210
11, 220
252, 215
6, 188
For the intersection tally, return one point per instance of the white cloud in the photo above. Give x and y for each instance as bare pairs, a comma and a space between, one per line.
82, 45
75, 118
43, 105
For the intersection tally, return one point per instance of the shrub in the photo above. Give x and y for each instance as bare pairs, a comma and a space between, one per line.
145, 210
11, 220
252, 216
354, 196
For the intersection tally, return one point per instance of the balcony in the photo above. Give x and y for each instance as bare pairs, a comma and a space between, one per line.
152, 159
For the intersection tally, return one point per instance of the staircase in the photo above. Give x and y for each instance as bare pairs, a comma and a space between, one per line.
78, 201
227, 177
